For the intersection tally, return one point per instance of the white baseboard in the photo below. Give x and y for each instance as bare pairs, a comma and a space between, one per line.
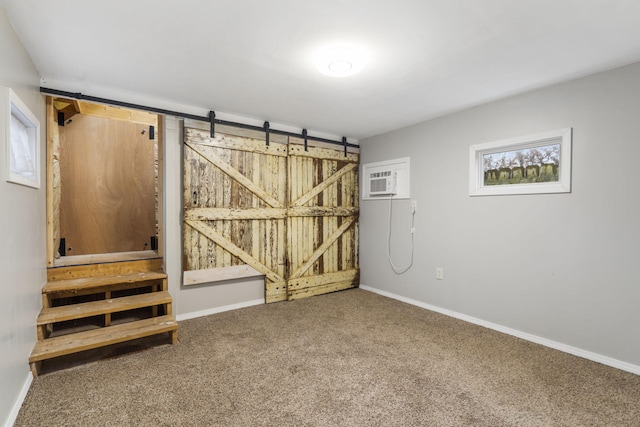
11, 418
614, 363
216, 310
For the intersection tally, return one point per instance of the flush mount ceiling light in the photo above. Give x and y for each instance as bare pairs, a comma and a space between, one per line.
339, 61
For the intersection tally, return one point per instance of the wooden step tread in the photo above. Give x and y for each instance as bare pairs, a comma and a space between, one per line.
108, 269
95, 308
73, 343
70, 285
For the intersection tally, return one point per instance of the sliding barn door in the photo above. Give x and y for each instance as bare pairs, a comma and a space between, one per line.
322, 220
278, 210
235, 197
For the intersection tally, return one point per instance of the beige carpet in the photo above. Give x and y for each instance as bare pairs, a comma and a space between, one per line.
351, 358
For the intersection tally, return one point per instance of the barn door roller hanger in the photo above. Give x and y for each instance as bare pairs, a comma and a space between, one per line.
211, 118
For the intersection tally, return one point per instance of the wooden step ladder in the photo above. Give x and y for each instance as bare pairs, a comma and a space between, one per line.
76, 296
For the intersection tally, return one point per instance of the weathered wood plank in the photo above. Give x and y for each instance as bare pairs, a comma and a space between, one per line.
322, 153
266, 227
306, 222
310, 222
73, 285
318, 231
282, 183
303, 238
280, 176
323, 222
190, 200
112, 268
322, 279
159, 185
234, 233
321, 211
318, 252
220, 180
344, 246
255, 204
319, 290
73, 343
275, 291
95, 308
219, 274
230, 247
236, 143
225, 226
110, 112
354, 233
235, 131
237, 176
246, 199
292, 223
322, 145
75, 260
330, 254
53, 184
218, 214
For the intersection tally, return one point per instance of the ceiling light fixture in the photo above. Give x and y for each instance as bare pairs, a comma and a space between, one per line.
339, 61
340, 66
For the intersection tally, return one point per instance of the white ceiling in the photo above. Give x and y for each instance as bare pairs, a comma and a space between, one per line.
427, 58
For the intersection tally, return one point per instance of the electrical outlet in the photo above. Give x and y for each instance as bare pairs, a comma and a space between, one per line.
414, 206
440, 273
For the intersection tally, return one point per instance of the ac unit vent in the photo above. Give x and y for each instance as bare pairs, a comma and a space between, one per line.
382, 183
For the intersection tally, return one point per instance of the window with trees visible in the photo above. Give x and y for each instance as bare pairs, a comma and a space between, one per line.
524, 165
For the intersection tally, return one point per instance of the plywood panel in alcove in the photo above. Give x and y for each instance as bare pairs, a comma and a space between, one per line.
108, 186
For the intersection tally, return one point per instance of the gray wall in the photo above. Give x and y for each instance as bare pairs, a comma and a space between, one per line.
22, 235
563, 267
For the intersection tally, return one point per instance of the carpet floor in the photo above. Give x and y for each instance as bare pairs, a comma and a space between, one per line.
350, 358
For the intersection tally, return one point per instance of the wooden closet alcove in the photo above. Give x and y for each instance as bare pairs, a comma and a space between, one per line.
105, 279
103, 183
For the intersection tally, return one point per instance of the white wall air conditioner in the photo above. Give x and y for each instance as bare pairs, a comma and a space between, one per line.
382, 183
386, 178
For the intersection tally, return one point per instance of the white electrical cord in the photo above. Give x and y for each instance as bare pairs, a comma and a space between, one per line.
413, 230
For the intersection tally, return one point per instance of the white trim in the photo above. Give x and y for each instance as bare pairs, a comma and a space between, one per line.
13, 414
595, 357
563, 137
18, 110
217, 310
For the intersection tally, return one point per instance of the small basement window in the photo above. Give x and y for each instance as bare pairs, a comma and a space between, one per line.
22, 136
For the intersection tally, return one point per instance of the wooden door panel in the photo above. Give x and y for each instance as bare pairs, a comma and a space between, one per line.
234, 209
323, 220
